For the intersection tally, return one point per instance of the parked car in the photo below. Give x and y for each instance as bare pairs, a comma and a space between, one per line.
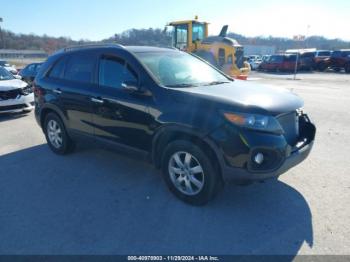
320, 57
277, 63
264, 58
15, 95
11, 68
306, 61
254, 63
339, 60
196, 124
29, 72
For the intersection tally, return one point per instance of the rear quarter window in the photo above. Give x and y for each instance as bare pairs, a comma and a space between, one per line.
80, 68
57, 69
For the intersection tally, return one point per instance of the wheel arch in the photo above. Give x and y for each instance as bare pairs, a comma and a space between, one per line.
172, 133
51, 109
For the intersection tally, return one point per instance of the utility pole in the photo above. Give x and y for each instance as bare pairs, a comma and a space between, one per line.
2, 36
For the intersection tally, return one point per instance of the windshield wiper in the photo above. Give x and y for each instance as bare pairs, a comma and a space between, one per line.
216, 83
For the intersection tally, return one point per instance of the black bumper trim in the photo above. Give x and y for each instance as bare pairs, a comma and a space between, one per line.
296, 157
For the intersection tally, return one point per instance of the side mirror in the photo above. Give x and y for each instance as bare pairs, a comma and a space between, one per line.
18, 77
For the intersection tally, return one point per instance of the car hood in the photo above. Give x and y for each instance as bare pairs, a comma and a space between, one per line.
275, 100
6, 85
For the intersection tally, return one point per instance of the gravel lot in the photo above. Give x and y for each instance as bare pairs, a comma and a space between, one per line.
96, 201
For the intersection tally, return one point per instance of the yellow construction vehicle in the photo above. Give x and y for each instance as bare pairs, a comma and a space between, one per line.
221, 51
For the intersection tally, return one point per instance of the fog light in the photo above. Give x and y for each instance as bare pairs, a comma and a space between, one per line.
259, 158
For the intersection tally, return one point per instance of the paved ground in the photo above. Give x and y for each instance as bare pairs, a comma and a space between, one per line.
96, 201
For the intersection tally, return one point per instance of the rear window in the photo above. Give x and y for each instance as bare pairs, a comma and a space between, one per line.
80, 68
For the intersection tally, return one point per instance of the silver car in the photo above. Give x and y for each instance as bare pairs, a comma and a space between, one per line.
15, 94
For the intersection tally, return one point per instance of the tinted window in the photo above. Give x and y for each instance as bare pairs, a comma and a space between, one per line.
37, 68
114, 71
324, 53
57, 70
308, 54
31, 68
291, 58
336, 54
80, 68
276, 58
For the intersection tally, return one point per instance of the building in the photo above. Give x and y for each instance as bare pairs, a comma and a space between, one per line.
259, 50
10, 54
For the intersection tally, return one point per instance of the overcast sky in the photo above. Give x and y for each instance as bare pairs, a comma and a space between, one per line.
99, 19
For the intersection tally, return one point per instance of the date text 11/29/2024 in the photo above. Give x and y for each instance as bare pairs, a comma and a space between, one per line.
173, 258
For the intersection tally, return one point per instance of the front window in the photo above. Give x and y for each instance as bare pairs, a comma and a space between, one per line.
179, 69
113, 72
197, 32
181, 32
5, 75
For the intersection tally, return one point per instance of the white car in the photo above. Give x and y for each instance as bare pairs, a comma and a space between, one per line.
254, 63
15, 94
11, 68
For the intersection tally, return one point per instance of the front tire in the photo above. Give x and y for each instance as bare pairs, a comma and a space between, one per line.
189, 173
56, 135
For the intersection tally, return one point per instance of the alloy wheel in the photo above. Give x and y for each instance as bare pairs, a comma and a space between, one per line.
54, 133
186, 173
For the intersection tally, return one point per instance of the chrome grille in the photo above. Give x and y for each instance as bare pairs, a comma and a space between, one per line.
10, 94
290, 125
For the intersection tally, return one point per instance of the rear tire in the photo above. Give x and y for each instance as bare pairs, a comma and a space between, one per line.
321, 67
189, 173
56, 135
347, 68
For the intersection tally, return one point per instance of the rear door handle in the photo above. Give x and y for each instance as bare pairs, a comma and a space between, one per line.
97, 100
57, 91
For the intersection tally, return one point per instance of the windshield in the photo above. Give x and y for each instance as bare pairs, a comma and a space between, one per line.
179, 69
5, 75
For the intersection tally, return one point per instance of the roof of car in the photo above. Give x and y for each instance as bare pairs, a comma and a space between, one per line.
133, 49
146, 49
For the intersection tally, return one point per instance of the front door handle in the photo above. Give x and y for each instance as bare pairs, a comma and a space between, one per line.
97, 100
57, 91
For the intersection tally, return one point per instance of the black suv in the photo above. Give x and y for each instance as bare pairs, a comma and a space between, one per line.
196, 124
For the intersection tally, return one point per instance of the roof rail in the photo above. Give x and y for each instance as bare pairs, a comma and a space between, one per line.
70, 48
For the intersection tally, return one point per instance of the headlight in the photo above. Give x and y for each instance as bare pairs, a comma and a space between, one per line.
27, 90
254, 121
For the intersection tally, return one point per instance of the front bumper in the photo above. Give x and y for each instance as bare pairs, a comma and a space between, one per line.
18, 104
243, 174
238, 148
